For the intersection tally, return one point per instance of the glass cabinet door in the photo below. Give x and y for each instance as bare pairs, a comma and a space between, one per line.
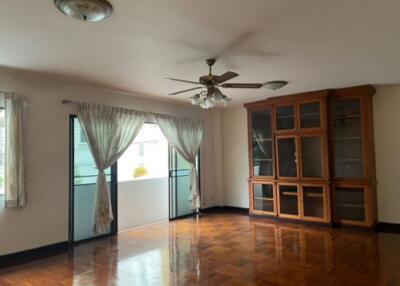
349, 203
311, 157
313, 202
285, 117
261, 130
287, 157
347, 138
288, 201
310, 116
263, 197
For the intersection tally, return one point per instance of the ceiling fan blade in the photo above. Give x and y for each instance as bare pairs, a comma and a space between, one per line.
242, 85
182, 80
226, 76
186, 90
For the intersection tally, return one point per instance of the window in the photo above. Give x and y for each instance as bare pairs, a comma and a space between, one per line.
141, 149
85, 170
147, 157
82, 138
2, 150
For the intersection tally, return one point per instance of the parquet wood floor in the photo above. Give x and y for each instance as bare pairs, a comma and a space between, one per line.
221, 249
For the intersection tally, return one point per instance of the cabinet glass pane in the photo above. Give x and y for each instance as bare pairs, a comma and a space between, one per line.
263, 195
287, 157
310, 115
311, 158
349, 204
288, 200
262, 143
285, 117
347, 141
313, 201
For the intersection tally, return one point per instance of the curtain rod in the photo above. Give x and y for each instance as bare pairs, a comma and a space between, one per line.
67, 101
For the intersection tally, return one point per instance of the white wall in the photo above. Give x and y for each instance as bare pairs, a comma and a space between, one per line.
235, 159
142, 202
387, 152
45, 218
387, 146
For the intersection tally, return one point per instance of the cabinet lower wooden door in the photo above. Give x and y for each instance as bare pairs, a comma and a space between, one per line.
289, 200
351, 205
263, 198
315, 206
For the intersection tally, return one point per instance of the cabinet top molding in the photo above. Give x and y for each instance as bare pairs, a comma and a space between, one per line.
365, 90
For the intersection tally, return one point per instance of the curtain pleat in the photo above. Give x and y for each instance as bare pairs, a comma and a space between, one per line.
109, 132
15, 195
185, 137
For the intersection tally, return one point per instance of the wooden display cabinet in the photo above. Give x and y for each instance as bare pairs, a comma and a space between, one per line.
313, 153
263, 198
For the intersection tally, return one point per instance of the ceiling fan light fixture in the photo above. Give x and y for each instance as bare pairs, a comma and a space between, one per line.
226, 100
195, 99
275, 84
85, 10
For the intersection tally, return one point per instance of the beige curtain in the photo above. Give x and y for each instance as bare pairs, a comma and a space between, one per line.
109, 132
185, 137
15, 196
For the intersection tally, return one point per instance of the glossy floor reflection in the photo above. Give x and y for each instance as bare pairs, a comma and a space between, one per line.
222, 249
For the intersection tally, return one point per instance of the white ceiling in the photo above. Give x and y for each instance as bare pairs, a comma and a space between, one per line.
313, 44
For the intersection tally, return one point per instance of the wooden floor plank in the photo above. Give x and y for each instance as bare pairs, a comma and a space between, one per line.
221, 249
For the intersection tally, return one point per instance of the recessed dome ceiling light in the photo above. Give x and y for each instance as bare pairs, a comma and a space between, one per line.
85, 10
275, 84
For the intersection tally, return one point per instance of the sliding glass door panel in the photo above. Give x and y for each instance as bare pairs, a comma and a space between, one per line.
179, 185
83, 187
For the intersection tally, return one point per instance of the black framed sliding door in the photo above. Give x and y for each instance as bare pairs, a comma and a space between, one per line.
83, 177
179, 185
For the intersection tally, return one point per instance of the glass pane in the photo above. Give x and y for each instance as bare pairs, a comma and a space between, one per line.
285, 117
263, 197
346, 122
313, 201
179, 185
183, 194
262, 143
349, 204
85, 177
146, 157
310, 115
311, 156
287, 157
288, 200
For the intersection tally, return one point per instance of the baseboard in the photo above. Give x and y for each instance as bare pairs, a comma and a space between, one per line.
388, 227
226, 209
26, 256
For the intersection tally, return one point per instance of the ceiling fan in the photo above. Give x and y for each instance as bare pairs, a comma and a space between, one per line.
211, 83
